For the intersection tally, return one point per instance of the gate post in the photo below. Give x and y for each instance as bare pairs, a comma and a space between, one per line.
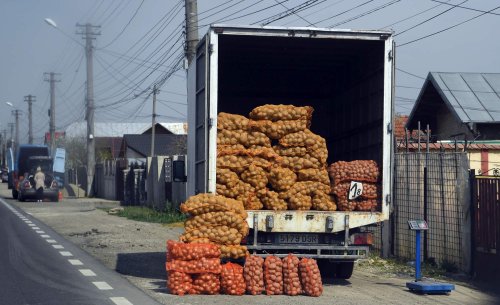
472, 211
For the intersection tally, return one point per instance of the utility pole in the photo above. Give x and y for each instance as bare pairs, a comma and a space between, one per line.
50, 77
191, 8
4, 145
11, 126
30, 99
89, 32
16, 113
153, 123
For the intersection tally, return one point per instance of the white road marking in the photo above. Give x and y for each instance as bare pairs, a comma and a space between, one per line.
65, 253
87, 272
27, 221
35, 228
40, 232
32, 225
58, 247
120, 301
51, 241
75, 262
102, 285
45, 236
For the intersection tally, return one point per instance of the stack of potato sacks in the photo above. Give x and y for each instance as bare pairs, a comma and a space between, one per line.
343, 173
273, 161
275, 276
218, 220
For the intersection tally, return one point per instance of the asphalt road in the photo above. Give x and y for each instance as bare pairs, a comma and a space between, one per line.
38, 266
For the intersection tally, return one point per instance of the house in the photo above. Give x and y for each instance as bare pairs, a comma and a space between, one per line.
137, 147
463, 114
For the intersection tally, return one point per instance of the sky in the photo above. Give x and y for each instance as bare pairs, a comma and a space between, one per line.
140, 43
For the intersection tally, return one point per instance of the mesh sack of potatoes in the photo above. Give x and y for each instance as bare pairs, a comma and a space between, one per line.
255, 176
233, 251
304, 138
250, 201
226, 191
308, 188
206, 202
227, 177
370, 190
266, 153
299, 163
281, 112
213, 219
300, 202
281, 178
243, 137
230, 121
366, 205
323, 202
278, 129
358, 170
200, 265
273, 275
314, 174
231, 279
310, 277
179, 283
271, 200
205, 283
293, 151
222, 235
291, 279
236, 163
341, 191
223, 148
319, 153
253, 273
187, 252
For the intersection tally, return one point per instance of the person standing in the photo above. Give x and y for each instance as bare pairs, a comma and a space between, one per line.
39, 184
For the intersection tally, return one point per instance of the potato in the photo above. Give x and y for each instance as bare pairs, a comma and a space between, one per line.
291, 280
254, 274
281, 112
231, 121
273, 275
271, 200
281, 179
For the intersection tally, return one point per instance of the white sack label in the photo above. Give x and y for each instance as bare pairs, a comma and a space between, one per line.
355, 190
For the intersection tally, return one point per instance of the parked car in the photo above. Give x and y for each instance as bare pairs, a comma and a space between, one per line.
5, 174
27, 185
24, 152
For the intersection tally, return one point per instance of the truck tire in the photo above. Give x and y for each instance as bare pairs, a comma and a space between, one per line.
20, 197
327, 268
344, 270
14, 194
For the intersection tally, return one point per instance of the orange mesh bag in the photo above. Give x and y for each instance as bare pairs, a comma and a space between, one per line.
308, 188
281, 179
222, 235
273, 275
206, 283
271, 200
250, 201
206, 202
254, 274
256, 176
231, 279
213, 219
310, 277
231, 121
359, 170
179, 283
300, 202
314, 174
291, 279
294, 151
278, 129
233, 251
201, 265
187, 252
281, 112
367, 205
323, 202
304, 138
299, 163
367, 201
227, 177
226, 191
236, 163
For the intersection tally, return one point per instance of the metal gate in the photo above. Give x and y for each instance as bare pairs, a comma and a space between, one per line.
486, 227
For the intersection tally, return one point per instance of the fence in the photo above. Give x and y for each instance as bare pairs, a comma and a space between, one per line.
435, 187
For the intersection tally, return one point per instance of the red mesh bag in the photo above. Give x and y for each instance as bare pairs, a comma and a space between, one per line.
254, 274
187, 252
291, 279
358, 170
273, 275
202, 265
205, 283
179, 282
310, 277
231, 279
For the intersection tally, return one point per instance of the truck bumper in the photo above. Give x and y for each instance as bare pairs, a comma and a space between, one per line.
340, 253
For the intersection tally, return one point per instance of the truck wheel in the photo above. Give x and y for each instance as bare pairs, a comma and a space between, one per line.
327, 268
20, 197
14, 194
344, 270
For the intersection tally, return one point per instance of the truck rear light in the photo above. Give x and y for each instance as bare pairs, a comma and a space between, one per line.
362, 239
53, 184
329, 223
269, 222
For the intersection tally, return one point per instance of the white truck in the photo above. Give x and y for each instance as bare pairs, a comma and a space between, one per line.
347, 76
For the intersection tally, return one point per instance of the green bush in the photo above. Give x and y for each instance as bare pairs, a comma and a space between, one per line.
150, 215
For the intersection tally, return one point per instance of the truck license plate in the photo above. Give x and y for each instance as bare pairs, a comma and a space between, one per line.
298, 238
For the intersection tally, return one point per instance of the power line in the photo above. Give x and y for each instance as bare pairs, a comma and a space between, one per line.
288, 12
465, 7
409, 73
126, 25
412, 16
428, 19
448, 28
373, 10
346, 11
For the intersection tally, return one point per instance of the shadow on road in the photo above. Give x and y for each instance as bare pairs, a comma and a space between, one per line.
146, 265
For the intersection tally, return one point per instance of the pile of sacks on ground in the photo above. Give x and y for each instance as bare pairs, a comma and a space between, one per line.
272, 160
196, 268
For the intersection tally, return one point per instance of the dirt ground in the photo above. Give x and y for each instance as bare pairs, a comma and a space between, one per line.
137, 251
